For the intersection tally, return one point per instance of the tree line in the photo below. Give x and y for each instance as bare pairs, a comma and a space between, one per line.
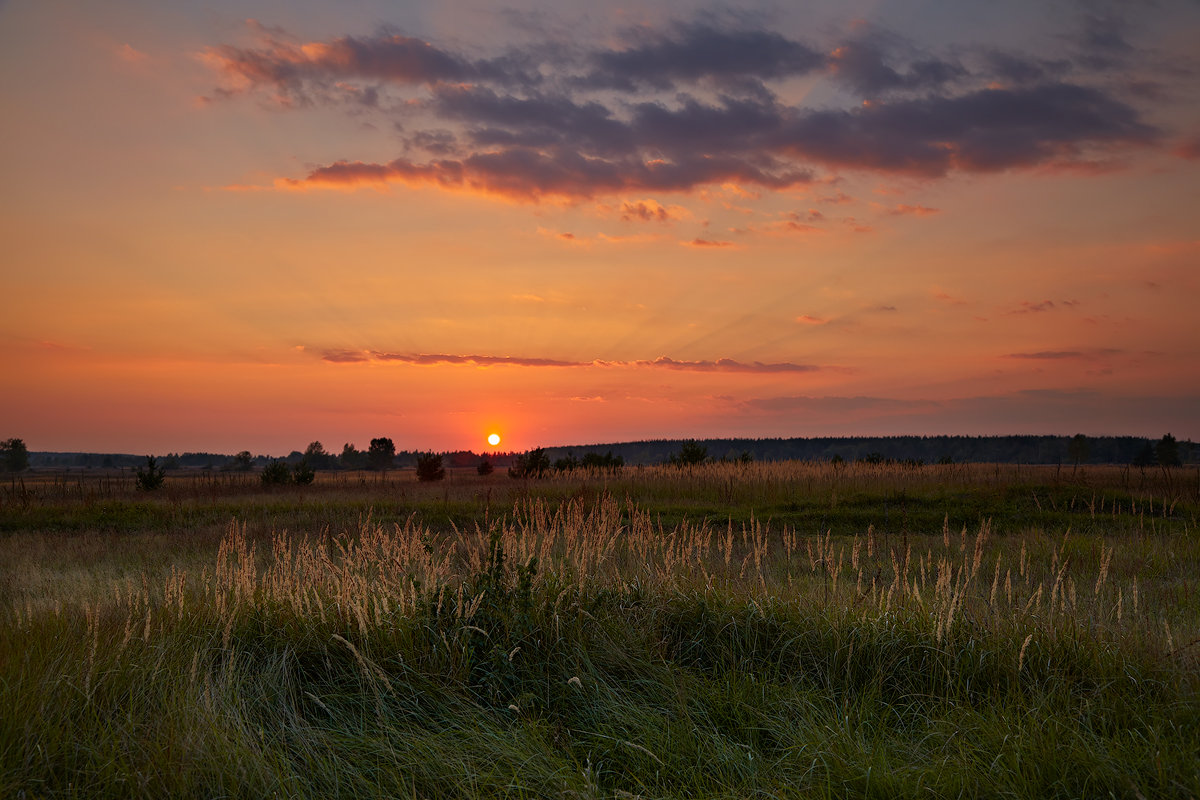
381, 454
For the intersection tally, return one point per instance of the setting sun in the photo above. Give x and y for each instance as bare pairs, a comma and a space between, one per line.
493, 439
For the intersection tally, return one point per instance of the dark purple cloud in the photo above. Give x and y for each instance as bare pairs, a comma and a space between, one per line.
864, 65
980, 131
530, 125
696, 52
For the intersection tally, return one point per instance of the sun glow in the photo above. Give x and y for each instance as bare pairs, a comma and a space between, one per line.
493, 439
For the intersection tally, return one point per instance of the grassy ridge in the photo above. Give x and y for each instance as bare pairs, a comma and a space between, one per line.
577, 645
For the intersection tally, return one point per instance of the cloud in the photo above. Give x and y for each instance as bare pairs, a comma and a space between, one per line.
682, 109
696, 52
131, 55
726, 365
903, 210
662, 362
426, 359
806, 319
863, 65
986, 130
345, 356
651, 211
1028, 307
1069, 355
298, 73
706, 243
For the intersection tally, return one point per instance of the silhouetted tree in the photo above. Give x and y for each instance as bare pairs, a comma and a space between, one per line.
352, 458
607, 462
14, 456
276, 474
690, 453
151, 477
1166, 452
533, 464
381, 453
1078, 449
243, 461
316, 457
485, 467
429, 467
1145, 457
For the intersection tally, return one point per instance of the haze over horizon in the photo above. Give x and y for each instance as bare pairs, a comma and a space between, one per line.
247, 226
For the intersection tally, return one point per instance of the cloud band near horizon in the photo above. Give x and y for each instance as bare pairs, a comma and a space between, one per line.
662, 362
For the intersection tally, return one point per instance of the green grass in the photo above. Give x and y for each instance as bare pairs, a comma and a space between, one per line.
599, 637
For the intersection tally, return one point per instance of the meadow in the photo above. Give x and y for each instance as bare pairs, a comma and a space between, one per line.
722, 631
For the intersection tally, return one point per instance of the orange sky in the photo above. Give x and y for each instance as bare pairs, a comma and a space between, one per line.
576, 226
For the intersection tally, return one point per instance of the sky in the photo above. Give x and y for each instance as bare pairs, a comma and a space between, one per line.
254, 225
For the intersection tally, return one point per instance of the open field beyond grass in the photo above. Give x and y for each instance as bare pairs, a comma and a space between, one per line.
761, 630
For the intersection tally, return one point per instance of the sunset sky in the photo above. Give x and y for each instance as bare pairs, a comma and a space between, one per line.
251, 225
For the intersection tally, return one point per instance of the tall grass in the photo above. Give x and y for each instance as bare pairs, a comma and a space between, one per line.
578, 645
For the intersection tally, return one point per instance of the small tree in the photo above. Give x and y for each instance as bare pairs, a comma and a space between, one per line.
533, 464
690, 454
1145, 456
14, 456
151, 477
429, 467
1167, 451
485, 467
243, 461
381, 454
276, 474
316, 457
1078, 449
352, 458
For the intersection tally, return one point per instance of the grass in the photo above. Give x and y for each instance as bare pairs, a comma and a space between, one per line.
783, 630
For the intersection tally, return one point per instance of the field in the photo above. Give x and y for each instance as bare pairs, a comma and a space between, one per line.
730, 630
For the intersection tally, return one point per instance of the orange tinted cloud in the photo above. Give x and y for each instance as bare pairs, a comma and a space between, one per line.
662, 362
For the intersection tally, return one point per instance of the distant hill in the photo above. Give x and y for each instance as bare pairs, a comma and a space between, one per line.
923, 449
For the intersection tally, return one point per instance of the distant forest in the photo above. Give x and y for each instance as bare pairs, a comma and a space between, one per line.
909, 449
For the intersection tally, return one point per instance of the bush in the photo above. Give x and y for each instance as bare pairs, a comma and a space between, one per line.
302, 473
151, 477
429, 467
485, 467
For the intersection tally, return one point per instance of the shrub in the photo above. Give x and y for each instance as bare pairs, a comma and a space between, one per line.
485, 467
151, 477
429, 467
302, 473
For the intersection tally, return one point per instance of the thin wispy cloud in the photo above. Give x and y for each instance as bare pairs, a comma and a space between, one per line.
662, 362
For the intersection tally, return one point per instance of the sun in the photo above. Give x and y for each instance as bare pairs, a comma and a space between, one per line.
493, 439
